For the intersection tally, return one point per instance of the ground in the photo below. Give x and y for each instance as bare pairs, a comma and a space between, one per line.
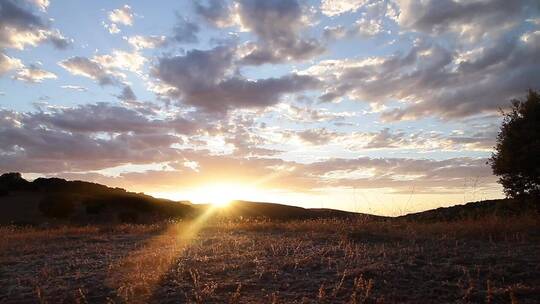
491, 260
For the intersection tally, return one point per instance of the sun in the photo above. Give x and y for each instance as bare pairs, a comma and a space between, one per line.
222, 194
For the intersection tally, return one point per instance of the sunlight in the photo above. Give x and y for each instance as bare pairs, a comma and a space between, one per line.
221, 195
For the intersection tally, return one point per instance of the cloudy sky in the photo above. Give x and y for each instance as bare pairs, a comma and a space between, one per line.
381, 106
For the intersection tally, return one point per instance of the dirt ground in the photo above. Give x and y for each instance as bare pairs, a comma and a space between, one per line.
319, 261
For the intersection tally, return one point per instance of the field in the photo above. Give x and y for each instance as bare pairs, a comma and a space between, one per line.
491, 260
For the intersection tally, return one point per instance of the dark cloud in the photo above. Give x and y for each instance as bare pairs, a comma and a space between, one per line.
127, 94
433, 80
88, 137
386, 139
317, 136
185, 31
474, 19
278, 25
19, 26
215, 12
208, 80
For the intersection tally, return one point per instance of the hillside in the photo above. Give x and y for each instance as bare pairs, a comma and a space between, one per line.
475, 210
55, 200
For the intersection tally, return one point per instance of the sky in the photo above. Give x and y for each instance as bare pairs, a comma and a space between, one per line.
377, 106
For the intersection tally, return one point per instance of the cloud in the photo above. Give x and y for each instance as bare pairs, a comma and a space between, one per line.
215, 12
185, 31
42, 4
278, 25
395, 175
101, 136
74, 87
146, 42
20, 27
33, 74
337, 7
88, 137
127, 94
334, 32
432, 80
122, 15
8, 63
367, 27
121, 60
317, 136
206, 80
469, 19
386, 139
112, 28
83, 66
99, 117
105, 69
308, 114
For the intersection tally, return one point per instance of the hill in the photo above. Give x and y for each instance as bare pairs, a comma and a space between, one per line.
476, 210
246, 209
56, 200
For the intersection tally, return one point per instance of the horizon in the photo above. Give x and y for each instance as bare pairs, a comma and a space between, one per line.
226, 202
373, 106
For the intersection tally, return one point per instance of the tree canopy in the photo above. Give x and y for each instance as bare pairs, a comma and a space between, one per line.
516, 159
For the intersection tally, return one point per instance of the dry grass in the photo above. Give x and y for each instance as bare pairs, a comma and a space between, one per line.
492, 260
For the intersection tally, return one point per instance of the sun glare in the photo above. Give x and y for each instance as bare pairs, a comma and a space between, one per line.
221, 194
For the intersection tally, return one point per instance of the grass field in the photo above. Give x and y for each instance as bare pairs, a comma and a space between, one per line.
491, 260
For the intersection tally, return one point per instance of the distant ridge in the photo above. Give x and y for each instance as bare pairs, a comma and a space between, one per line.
56, 200
473, 210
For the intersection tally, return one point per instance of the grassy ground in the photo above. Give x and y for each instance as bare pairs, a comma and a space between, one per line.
491, 260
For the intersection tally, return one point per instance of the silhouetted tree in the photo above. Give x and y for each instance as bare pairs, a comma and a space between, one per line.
516, 159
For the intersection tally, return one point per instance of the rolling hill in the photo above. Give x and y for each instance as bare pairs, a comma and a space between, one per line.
55, 200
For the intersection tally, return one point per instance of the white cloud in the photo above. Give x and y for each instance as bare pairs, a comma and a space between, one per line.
112, 28
368, 27
33, 74
146, 42
122, 15
74, 87
121, 60
337, 7
119, 16
8, 63
42, 4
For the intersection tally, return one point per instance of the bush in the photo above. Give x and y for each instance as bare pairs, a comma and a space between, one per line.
517, 154
57, 206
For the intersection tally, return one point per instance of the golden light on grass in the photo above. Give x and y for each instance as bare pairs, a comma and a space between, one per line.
136, 276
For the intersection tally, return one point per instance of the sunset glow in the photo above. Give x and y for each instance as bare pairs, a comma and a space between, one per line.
354, 105
220, 194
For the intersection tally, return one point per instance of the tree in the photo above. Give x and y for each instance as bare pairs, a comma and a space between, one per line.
516, 159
